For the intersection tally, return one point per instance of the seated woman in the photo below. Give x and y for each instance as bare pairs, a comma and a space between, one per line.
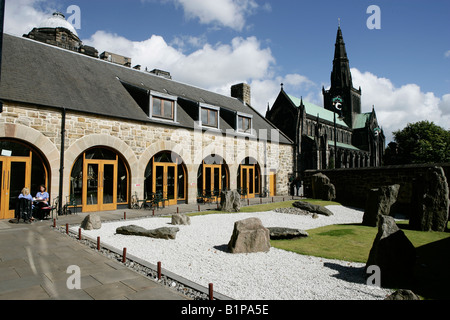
26, 215
42, 199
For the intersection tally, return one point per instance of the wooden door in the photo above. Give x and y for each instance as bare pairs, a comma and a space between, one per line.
165, 182
100, 185
15, 175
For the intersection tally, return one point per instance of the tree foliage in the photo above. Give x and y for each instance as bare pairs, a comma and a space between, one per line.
421, 142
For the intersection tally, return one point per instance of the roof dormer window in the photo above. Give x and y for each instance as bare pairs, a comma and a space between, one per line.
209, 116
244, 123
163, 107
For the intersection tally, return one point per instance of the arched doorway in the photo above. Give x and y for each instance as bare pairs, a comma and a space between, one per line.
166, 176
249, 178
20, 166
213, 177
99, 180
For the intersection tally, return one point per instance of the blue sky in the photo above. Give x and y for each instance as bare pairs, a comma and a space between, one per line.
403, 68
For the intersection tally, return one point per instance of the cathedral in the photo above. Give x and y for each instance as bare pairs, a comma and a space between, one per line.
337, 135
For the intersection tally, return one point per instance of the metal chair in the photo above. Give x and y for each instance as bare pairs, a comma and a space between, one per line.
24, 209
46, 211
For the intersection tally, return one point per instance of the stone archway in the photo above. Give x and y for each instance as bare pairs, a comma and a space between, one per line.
98, 140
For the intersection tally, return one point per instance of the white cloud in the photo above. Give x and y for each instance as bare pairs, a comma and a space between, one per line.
211, 66
21, 16
227, 13
396, 107
447, 54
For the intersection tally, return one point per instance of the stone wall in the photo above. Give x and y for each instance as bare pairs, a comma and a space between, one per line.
137, 143
352, 185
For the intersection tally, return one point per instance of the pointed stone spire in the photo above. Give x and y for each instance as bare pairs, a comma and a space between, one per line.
341, 76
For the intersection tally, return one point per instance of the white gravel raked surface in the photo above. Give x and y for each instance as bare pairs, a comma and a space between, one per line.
198, 254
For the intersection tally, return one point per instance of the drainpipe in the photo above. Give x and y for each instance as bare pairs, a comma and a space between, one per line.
2, 18
61, 165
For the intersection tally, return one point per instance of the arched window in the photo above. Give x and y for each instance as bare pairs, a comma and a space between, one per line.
212, 177
99, 180
249, 178
166, 177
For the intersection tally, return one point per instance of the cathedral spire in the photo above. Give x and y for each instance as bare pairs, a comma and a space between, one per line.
341, 76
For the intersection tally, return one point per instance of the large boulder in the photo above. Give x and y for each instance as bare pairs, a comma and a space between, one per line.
393, 253
91, 222
430, 203
403, 294
230, 201
278, 233
379, 202
181, 219
322, 187
249, 236
160, 233
312, 208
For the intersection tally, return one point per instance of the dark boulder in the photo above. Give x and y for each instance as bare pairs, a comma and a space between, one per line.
312, 208
379, 202
277, 233
393, 253
160, 233
230, 201
403, 294
430, 203
322, 187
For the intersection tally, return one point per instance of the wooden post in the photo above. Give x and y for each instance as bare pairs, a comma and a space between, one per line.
211, 292
159, 270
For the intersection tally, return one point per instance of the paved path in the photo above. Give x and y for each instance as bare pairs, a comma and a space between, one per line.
34, 260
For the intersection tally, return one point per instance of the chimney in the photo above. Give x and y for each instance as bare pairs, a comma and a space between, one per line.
242, 92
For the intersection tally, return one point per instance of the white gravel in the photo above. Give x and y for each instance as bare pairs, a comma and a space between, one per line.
198, 255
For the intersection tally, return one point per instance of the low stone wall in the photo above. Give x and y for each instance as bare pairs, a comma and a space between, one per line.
352, 185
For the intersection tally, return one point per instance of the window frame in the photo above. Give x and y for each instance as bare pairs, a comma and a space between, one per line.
163, 98
209, 108
249, 117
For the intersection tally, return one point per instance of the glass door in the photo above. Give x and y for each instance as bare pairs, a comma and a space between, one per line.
212, 180
100, 181
165, 182
248, 180
15, 175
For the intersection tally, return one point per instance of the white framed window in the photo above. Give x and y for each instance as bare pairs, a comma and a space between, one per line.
209, 116
163, 107
244, 123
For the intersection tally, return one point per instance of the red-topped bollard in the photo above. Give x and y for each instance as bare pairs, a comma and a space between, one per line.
124, 255
79, 234
211, 292
159, 270
98, 243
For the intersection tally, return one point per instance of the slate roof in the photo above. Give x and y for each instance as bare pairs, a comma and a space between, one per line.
48, 76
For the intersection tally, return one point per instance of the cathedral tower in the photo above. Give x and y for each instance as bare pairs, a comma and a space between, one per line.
342, 85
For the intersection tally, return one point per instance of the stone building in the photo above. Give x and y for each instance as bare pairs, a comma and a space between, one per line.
337, 135
100, 133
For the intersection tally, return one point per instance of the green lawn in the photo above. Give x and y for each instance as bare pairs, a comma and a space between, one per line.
353, 242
